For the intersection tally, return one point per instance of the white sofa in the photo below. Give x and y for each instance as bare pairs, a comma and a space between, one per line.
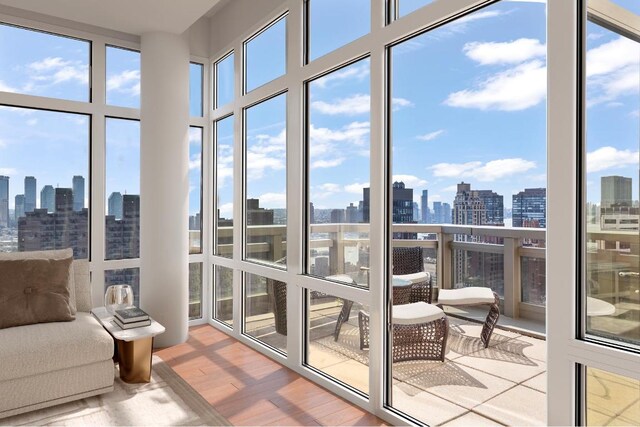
51, 363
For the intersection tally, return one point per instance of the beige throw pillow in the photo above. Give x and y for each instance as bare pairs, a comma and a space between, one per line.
34, 291
49, 254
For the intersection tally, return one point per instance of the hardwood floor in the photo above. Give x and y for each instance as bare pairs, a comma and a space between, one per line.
248, 388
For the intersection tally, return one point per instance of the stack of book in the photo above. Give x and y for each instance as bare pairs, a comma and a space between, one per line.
132, 317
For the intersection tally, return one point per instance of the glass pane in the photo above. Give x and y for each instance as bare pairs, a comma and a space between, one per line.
123, 77
353, 18
122, 226
405, 7
468, 134
472, 268
195, 89
266, 55
632, 6
224, 187
612, 211
195, 190
339, 175
265, 308
612, 400
223, 294
534, 280
343, 358
43, 64
44, 170
225, 81
195, 290
266, 178
126, 276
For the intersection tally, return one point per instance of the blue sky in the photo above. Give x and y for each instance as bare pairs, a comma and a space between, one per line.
54, 146
468, 104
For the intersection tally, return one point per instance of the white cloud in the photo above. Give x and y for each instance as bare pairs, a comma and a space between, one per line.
8, 171
32, 122
635, 113
358, 72
490, 171
512, 52
127, 81
55, 70
327, 163
351, 106
452, 188
398, 103
330, 187
611, 158
354, 132
194, 162
6, 88
612, 70
410, 181
515, 89
477, 16
356, 187
266, 152
354, 105
277, 200
195, 135
431, 135
226, 210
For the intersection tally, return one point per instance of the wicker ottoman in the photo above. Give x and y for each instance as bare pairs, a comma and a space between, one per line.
420, 332
474, 295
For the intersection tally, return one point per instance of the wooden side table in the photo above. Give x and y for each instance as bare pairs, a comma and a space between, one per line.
134, 346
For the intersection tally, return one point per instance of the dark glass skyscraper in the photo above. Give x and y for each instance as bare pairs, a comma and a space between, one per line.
78, 193
530, 208
115, 205
48, 198
29, 193
4, 201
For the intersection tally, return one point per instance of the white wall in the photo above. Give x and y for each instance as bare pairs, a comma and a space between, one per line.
235, 18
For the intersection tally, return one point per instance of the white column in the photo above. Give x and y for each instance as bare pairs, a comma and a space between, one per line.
164, 184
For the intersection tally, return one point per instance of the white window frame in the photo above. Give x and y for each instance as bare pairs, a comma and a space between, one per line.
566, 350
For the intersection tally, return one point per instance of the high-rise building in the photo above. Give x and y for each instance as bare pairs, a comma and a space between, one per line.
615, 191
115, 205
48, 198
312, 214
64, 200
468, 207
351, 214
424, 205
123, 235
446, 213
494, 205
78, 193
29, 193
472, 268
337, 216
4, 201
365, 205
19, 207
64, 228
257, 215
530, 208
438, 215
416, 212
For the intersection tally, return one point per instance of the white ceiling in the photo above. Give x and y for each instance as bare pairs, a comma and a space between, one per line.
129, 16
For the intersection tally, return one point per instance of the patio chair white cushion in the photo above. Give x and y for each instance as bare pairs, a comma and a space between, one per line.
419, 277
466, 296
416, 313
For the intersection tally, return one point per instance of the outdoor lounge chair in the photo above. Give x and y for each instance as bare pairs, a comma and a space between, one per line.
408, 264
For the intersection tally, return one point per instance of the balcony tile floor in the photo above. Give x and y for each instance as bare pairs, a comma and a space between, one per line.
504, 384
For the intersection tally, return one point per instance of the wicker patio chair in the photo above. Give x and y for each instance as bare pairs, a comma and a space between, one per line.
409, 261
420, 332
474, 295
277, 292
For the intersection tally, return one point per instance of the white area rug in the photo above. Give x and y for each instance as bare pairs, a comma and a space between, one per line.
166, 400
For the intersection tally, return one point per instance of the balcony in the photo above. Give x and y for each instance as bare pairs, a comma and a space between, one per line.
473, 381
